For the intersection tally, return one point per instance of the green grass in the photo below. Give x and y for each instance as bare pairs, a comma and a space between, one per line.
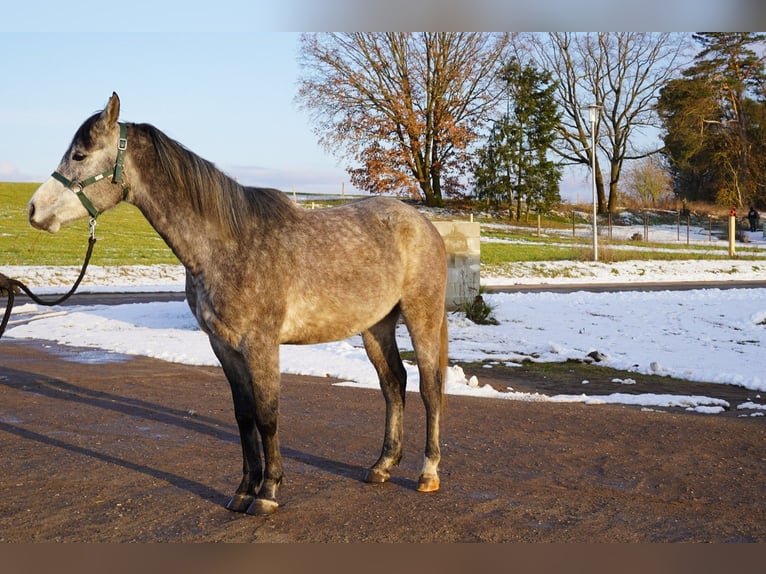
501, 253
124, 236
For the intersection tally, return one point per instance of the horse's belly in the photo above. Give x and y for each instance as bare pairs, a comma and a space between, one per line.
306, 324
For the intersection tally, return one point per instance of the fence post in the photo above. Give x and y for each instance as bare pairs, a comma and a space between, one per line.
688, 230
646, 227
732, 232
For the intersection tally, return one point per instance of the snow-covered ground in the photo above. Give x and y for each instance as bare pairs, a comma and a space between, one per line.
710, 335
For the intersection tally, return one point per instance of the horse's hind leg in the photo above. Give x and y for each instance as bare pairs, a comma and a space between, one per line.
380, 344
429, 338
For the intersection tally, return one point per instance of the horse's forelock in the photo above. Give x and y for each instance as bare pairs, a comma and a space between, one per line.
83, 137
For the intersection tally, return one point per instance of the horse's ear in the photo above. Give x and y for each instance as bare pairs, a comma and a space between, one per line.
112, 110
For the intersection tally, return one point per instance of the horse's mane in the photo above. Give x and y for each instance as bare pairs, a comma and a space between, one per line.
213, 193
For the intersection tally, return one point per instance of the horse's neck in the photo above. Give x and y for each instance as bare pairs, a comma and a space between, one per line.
199, 238
189, 235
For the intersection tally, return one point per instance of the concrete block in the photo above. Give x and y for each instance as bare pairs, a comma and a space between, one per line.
463, 242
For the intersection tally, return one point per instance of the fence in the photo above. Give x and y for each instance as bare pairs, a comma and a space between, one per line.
665, 227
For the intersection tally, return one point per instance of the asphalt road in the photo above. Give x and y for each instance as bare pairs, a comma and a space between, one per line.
88, 298
636, 286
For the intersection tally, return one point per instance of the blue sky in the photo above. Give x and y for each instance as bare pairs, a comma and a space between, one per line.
221, 78
227, 96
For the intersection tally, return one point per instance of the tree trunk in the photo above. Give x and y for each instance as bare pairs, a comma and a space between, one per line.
434, 192
601, 197
428, 194
614, 194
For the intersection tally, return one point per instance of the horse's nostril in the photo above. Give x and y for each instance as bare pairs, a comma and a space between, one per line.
31, 210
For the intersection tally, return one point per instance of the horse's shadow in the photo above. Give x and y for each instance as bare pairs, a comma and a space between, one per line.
60, 390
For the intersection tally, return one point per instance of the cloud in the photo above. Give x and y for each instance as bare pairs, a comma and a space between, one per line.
9, 172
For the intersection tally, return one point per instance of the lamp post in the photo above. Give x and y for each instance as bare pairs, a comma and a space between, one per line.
593, 112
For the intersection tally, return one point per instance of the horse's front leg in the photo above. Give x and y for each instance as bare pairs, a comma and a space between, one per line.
252, 473
238, 376
263, 363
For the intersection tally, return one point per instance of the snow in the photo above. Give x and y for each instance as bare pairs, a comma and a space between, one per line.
705, 335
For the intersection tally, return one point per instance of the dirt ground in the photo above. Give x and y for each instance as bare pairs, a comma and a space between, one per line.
135, 449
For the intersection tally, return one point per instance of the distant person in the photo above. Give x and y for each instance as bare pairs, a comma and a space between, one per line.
753, 217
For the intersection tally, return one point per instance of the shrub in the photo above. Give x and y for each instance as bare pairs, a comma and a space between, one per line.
480, 312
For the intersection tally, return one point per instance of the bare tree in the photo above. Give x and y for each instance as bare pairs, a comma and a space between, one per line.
648, 181
622, 72
403, 106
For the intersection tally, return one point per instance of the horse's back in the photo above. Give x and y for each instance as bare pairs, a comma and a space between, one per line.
398, 222
396, 234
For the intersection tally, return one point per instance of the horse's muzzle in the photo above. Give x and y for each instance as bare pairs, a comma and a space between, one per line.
50, 224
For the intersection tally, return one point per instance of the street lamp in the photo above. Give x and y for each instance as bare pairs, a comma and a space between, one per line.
593, 112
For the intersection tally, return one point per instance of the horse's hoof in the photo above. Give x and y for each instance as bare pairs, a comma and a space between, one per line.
428, 484
377, 476
263, 507
240, 502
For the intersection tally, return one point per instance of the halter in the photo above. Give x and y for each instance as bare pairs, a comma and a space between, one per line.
115, 173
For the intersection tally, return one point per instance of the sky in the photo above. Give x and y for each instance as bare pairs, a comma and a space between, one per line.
705, 335
221, 78
227, 97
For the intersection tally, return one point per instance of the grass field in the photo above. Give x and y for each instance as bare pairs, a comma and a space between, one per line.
126, 238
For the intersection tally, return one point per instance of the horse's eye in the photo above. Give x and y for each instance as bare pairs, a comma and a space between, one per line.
77, 156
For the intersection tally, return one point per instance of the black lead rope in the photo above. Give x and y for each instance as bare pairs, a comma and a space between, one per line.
10, 287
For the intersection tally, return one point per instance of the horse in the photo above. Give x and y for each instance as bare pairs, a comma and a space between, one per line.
262, 271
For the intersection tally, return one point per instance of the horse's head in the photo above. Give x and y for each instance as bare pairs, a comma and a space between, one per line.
82, 184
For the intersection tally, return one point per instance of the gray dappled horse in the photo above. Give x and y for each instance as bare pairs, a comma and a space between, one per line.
262, 271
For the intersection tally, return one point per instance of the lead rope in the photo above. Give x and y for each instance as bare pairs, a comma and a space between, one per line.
10, 287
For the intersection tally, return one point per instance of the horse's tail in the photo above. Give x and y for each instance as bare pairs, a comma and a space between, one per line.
443, 357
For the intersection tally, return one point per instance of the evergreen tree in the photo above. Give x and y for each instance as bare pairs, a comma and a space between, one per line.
493, 165
684, 106
514, 164
714, 139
